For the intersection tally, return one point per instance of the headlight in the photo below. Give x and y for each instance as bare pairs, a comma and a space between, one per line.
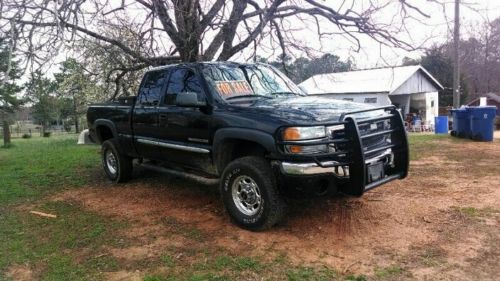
332, 130
303, 133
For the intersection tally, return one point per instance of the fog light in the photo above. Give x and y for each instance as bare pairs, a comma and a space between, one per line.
307, 149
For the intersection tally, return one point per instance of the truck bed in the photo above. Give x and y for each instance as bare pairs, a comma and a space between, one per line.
118, 112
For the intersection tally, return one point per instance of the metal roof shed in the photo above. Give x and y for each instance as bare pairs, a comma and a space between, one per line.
411, 88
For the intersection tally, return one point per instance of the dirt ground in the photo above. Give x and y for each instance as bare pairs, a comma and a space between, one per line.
441, 223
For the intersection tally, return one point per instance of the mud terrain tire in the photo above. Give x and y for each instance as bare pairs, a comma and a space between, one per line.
117, 166
250, 195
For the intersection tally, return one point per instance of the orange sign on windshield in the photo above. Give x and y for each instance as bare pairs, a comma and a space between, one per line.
234, 88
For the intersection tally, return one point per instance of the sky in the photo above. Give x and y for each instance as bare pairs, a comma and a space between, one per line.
434, 30
422, 32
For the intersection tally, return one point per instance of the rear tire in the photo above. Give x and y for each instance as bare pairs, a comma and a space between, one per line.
250, 194
118, 167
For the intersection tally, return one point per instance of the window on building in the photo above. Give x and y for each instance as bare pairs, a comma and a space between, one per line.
370, 100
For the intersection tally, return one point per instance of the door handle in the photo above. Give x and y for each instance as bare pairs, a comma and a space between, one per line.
163, 116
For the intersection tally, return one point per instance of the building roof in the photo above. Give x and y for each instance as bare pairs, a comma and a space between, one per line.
494, 97
377, 80
490, 96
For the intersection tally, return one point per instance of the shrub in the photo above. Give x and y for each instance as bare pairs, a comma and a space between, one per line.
26, 136
47, 134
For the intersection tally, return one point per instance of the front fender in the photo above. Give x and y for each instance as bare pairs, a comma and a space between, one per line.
264, 139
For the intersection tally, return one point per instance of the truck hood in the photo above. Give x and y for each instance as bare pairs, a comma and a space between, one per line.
308, 108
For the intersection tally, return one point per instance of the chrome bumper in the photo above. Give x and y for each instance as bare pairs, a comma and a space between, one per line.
331, 167
314, 169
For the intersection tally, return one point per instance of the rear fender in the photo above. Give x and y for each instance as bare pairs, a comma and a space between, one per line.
106, 123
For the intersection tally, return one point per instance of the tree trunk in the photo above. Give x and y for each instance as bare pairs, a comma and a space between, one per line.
186, 16
6, 132
77, 124
75, 115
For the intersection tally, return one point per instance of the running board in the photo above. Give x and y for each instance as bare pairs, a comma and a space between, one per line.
188, 176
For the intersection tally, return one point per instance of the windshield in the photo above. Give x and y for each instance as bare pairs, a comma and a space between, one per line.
248, 81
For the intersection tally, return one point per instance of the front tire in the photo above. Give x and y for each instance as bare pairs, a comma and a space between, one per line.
118, 167
250, 194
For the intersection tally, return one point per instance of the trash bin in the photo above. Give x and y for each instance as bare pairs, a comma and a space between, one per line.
482, 119
461, 122
441, 124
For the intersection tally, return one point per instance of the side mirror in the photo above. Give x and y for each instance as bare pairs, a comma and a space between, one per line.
189, 99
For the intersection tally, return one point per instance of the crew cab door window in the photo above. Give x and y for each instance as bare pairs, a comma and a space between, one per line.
151, 90
183, 80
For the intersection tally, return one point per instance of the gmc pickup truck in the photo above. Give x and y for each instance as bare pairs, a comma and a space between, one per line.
251, 130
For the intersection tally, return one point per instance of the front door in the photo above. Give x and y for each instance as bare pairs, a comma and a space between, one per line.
184, 131
145, 116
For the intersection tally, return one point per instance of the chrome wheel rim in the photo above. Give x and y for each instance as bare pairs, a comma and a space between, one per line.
246, 195
110, 161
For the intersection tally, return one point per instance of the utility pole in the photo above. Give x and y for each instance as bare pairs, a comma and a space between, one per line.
456, 68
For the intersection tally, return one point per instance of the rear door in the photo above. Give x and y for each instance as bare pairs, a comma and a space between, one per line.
184, 131
145, 117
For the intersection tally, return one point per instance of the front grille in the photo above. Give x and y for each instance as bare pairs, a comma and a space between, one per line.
370, 137
375, 134
370, 128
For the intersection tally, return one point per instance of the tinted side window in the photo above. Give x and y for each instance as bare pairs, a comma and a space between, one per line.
151, 89
183, 80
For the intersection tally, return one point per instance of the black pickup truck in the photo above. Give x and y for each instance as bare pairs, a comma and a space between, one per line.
251, 130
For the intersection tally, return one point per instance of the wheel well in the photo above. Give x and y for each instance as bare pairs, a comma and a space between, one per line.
231, 149
104, 133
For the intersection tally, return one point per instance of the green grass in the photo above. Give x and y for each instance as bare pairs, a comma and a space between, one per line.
33, 167
353, 277
30, 239
468, 211
153, 278
472, 212
29, 169
167, 260
388, 272
422, 145
432, 256
217, 264
310, 273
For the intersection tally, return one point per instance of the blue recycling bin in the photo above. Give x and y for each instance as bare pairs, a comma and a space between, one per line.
482, 122
461, 122
441, 124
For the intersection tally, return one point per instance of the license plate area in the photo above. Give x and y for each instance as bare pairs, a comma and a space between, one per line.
375, 172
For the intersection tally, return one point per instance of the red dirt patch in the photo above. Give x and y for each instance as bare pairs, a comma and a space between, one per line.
383, 227
20, 272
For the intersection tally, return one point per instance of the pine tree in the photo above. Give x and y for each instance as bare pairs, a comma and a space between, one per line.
9, 101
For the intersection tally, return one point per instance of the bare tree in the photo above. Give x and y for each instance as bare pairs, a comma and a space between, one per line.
479, 58
164, 32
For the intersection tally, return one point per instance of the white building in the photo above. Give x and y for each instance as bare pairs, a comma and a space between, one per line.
410, 88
